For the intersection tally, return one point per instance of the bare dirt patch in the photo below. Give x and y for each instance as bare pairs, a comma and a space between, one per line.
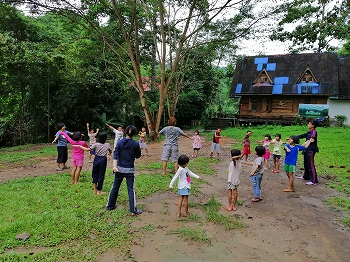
283, 227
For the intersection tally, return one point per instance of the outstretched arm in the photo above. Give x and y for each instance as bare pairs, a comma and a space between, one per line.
82, 147
111, 127
185, 135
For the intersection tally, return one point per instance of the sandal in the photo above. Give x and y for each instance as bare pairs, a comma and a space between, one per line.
178, 215
256, 199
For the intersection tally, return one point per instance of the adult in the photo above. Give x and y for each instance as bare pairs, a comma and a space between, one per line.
125, 153
171, 147
309, 154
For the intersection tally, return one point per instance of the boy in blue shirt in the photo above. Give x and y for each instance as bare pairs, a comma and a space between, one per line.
292, 149
62, 150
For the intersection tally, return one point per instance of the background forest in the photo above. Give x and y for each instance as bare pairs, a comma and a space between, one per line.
135, 62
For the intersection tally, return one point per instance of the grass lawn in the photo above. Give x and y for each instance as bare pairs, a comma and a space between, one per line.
68, 223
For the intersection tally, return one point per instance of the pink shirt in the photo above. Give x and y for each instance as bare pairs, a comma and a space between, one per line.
196, 141
78, 153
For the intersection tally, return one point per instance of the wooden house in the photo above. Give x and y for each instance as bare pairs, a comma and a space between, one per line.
270, 88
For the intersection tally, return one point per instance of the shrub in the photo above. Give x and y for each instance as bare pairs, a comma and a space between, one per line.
340, 119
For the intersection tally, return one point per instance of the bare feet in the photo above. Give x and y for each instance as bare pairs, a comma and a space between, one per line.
256, 199
228, 208
288, 189
100, 193
178, 215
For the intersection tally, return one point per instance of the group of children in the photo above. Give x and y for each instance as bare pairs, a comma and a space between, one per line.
101, 148
259, 165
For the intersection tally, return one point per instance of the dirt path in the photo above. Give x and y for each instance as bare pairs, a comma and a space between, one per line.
283, 227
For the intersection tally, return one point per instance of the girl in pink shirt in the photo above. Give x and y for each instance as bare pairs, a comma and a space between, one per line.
197, 143
78, 154
266, 144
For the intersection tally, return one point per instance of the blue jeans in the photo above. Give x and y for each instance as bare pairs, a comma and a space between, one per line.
113, 194
256, 182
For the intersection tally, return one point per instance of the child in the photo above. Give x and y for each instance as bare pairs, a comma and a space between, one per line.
171, 147
246, 145
197, 144
118, 134
101, 150
92, 138
257, 173
292, 149
266, 143
62, 150
184, 184
233, 179
77, 156
142, 142
215, 145
277, 143
125, 153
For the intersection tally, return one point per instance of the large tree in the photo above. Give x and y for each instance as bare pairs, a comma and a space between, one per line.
167, 30
313, 24
51, 71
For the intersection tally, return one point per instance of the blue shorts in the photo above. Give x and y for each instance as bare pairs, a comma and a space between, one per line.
92, 152
183, 191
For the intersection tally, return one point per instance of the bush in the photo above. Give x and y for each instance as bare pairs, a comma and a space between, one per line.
340, 119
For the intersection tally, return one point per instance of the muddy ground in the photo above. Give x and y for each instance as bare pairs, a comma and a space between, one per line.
286, 227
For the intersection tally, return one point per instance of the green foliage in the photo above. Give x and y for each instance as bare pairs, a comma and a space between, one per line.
315, 24
340, 119
211, 210
53, 71
195, 234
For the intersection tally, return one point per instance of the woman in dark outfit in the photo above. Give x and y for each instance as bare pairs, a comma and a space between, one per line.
309, 154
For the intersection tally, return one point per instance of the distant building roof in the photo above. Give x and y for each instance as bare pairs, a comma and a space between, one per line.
304, 74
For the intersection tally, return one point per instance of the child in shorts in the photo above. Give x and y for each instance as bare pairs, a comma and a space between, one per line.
92, 138
197, 144
246, 145
266, 143
143, 140
276, 154
78, 154
292, 149
215, 145
184, 184
233, 179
